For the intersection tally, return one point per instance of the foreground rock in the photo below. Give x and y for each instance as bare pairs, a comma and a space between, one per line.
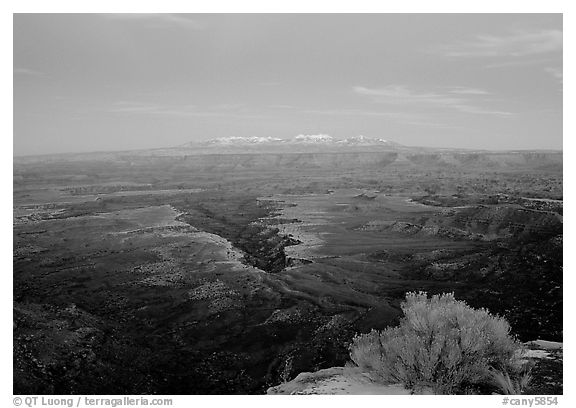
546, 377
339, 381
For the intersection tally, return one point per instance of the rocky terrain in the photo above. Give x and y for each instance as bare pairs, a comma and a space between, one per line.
228, 269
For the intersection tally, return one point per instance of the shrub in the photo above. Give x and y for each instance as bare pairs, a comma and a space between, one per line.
511, 385
440, 343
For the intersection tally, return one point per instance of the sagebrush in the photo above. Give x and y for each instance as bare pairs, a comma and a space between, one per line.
441, 343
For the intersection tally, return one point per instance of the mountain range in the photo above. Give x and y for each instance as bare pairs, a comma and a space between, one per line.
320, 140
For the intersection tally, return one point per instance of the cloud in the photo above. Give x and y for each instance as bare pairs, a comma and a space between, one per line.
459, 99
460, 90
517, 44
555, 72
28, 72
523, 62
134, 107
158, 20
281, 106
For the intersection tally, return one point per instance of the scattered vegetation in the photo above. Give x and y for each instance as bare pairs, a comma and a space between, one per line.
444, 344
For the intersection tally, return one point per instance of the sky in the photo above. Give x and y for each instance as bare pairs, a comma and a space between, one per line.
98, 82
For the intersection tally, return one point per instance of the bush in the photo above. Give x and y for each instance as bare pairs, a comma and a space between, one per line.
511, 385
440, 343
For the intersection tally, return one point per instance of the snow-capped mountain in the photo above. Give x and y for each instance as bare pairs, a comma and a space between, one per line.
239, 140
303, 143
327, 139
302, 139
366, 141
